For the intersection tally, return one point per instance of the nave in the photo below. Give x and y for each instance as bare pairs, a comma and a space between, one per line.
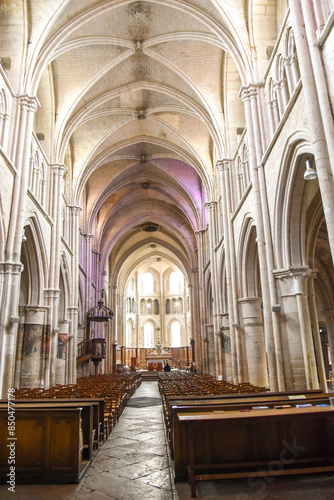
135, 463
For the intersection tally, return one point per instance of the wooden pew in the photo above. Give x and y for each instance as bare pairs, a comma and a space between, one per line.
207, 401
269, 442
47, 448
178, 436
89, 417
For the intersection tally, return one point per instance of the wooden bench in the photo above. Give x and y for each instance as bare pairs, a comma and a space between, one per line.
90, 417
48, 445
269, 397
269, 442
178, 436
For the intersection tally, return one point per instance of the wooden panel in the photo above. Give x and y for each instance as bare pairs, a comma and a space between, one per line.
241, 444
30, 432
48, 445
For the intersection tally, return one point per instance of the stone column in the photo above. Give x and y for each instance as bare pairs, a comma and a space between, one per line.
73, 309
321, 11
35, 348
73, 314
226, 348
299, 354
329, 316
11, 268
249, 97
200, 259
63, 356
114, 357
4, 120
210, 349
196, 318
271, 117
318, 108
114, 308
52, 298
230, 264
322, 103
280, 102
28, 107
255, 345
87, 265
19, 347
211, 207
316, 332
10, 320
59, 171
288, 71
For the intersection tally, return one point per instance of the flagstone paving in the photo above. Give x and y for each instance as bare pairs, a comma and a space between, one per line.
134, 464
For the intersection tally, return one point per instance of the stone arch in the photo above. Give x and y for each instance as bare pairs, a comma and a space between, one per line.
248, 261
130, 327
292, 198
149, 333
175, 335
33, 257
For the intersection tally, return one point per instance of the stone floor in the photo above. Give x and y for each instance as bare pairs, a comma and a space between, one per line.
134, 464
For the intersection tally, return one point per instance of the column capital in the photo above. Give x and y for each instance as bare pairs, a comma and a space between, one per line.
250, 90
223, 164
75, 209
30, 103
88, 237
200, 233
36, 308
51, 293
10, 267
297, 276
58, 168
210, 205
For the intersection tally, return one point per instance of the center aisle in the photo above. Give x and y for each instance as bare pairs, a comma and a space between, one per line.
134, 463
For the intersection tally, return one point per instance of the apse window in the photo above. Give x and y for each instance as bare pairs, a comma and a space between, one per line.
175, 332
148, 335
174, 283
147, 283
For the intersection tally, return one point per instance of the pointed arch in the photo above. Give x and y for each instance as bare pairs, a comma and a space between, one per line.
248, 261
293, 196
34, 257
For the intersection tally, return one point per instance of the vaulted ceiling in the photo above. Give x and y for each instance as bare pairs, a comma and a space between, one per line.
138, 99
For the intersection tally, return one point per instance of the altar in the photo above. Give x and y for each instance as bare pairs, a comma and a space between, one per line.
155, 365
157, 357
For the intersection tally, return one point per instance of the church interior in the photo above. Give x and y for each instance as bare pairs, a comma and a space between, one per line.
167, 199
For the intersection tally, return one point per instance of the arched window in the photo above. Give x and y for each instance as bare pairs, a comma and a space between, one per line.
147, 283
148, 335
149, 307
174, 283
143, 306
175, 332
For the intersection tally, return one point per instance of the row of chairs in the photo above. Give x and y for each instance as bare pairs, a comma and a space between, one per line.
192, 384
180, 384
115, 389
